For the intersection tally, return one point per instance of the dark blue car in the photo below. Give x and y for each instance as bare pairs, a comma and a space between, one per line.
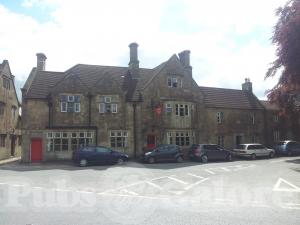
93, 155
287, 148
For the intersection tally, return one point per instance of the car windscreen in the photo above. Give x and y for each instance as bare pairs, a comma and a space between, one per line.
279, 143
240, 146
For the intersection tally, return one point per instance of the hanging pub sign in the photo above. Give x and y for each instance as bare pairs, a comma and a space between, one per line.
158, 110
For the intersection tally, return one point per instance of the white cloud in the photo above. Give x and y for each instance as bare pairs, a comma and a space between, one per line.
98, 32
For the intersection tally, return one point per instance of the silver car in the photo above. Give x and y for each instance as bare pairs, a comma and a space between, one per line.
253, 150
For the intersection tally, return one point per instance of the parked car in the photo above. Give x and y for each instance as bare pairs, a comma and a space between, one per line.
287, 148
163, 153
253, 150
205, 152
92, 155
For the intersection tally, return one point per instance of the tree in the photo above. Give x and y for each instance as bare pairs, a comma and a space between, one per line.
286, 36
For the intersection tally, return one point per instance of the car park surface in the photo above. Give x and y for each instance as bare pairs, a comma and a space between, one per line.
264, 191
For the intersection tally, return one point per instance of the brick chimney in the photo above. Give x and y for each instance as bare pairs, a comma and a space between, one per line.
184, 58
247, 86
41, 61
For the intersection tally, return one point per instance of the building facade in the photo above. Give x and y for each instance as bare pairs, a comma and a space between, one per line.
10, 134
132, 109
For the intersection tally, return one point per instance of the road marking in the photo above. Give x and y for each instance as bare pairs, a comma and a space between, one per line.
129, 192
18, 185
133, 184
224, 200
289, 207
154, 185
194, 184
278, 183
277, 161
193, 175
225, 169
177, 180
209, 171
134, 196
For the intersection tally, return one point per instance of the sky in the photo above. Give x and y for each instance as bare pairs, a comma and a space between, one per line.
229, 40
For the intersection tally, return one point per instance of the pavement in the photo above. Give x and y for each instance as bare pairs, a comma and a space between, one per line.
263, 191
9, 160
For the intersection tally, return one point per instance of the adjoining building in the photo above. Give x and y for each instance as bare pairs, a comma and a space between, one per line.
10, 133
132, 109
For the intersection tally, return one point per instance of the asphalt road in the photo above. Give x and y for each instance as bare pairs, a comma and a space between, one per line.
264, 191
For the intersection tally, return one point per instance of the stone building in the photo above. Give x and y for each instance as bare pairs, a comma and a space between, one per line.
132, 109
10, 134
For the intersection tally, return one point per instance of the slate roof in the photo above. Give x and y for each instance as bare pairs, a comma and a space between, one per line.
229, 98
42, 83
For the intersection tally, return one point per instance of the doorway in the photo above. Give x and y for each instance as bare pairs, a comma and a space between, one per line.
36, 149
238, 139
151, 141
12, 145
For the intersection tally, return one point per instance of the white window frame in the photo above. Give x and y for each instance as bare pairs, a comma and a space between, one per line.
71, 98
107, 99
220, 116
76, 107
114, 108
63, 106
168, 107
115, 134
102, 107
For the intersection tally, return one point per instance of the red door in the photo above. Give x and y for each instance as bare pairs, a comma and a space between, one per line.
151, 141
36, 150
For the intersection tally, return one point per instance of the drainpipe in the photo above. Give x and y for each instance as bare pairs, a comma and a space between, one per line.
134, 129
90, 109
49, 111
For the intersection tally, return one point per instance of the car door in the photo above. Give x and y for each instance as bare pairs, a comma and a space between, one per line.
103, 155
251, 149
220, 153
261, 150
294, 147
211, 151
160, 154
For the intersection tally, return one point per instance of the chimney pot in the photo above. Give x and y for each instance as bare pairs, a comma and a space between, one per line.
247, 86
41, 61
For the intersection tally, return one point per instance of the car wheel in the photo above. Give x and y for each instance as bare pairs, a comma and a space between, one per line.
120, 161
229, 157
151, 160
83, 162
271, 155
204, 159
179, 159
253, 156
289, 153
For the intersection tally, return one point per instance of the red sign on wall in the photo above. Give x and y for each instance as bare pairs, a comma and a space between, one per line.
158, 110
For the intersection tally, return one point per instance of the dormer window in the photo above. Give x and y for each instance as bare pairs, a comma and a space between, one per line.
108, 104
174, 82
70, 103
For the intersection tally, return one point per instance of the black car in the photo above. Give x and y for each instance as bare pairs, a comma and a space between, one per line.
92, 155
205, 152
163, 153
288, 148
